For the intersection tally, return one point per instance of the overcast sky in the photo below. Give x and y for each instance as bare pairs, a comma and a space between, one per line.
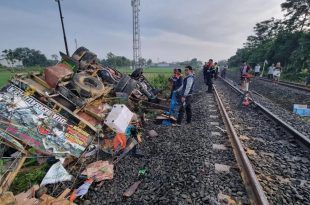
171, 30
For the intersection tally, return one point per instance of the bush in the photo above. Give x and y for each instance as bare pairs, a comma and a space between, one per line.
25, 179
159, 81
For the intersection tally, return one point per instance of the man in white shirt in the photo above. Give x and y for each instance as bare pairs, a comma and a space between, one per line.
270, 71
257, 70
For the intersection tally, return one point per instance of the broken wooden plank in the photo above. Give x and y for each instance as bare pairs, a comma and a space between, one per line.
5, 185
64, 193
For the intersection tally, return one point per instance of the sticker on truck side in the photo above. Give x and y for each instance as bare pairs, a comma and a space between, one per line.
28, 120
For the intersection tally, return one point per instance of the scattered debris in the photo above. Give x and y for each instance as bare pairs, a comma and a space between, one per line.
224, 131
57, 173
153, 133
119, 118
100, 170
82, 190
132, 189
7, 198
72, 112
302, 110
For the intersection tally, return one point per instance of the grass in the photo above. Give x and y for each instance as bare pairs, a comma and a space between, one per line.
157, 76
6, 73
29, 177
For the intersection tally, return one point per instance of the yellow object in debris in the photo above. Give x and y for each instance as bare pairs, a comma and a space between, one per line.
29, 91
139, 137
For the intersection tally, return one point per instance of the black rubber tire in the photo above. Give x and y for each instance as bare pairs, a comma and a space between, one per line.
86, 85
126, 85
137, 73
89, 57
79, 52
106, 76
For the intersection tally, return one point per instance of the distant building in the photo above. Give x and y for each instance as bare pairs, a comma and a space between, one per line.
6, 63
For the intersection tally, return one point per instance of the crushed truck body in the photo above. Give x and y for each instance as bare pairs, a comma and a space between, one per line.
70, 108
59, 112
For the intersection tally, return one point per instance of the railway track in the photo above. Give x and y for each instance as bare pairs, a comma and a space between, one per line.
279, 94
298, 135
254, 188
280, 162
191, 164
289, 84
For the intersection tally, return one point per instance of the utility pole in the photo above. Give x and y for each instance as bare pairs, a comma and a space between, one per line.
75, 41
63, 27
136, 34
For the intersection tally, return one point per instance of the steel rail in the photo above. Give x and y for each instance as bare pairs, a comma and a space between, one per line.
255, 190
289, 84
299, 136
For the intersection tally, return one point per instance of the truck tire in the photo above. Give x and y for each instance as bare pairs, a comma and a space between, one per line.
126, 85
77, 55
137, 73
86, 85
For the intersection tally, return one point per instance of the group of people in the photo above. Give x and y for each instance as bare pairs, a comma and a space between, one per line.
274, 72
183, 88
210, 72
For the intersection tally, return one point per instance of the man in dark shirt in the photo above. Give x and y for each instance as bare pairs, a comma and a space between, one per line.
208, 73
185, 92
176, 80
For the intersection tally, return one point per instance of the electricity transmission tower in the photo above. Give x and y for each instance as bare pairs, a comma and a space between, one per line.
136, 34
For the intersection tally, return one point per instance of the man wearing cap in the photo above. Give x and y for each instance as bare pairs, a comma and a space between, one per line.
185, 92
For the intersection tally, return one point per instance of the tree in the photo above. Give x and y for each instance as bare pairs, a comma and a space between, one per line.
149, 62
54, 57
30, 57
9, 56
142, 62
115, 61
297, 13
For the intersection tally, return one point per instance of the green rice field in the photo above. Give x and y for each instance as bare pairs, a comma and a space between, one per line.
157, 76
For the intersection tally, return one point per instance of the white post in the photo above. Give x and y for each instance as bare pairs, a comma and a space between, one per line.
265, 62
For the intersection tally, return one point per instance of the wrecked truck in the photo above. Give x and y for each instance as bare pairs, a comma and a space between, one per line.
61, 111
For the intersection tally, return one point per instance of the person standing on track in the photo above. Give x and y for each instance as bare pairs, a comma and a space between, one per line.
216, 70
244, 69
270, 71
277, 72
223, 71
185, 92
257, 70
208, 74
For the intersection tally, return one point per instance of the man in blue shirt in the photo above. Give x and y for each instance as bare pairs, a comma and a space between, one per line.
185, 92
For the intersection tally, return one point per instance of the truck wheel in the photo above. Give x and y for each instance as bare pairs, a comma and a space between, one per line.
126, 85
87, 86
137, 73
79, 52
